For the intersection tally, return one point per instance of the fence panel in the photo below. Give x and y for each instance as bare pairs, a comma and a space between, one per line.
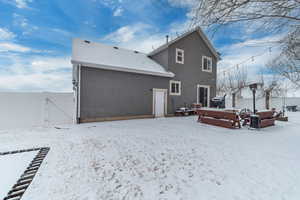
260, 103
22, 110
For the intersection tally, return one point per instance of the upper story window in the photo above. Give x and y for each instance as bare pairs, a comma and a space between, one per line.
180, 56
206, 64
175, 87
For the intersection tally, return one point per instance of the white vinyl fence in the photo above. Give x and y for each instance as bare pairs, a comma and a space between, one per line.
23, 110
260, 103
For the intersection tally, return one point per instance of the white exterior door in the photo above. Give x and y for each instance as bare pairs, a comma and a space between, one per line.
159, 103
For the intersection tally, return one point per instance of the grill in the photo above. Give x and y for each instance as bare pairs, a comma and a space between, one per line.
218, 102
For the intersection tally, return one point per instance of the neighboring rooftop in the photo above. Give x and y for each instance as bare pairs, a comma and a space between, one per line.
114, 58
202, 35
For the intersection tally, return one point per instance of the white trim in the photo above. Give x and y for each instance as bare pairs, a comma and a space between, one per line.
208, 58
166, 100
176, 56
170, 87
208, 93
124, 69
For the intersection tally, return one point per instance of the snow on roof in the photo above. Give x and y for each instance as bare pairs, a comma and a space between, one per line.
114, 58
199, 31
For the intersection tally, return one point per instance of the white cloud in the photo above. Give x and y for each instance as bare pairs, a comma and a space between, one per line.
37, 74
61, 31
18, 3
9, 46
259, 42
118, 12
141, 37
127, 33
108, 3
184, 3
8, 43
5, 34
89, 23
55, 82
42, 64
115, 5
178, 28
145, 44
241, 54
22, 22
144, 37
22, 3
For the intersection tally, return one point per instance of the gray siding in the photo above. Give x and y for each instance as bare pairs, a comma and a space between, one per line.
190, 73
106, 93
162, 58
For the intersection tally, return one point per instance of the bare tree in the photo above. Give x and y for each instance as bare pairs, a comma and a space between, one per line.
232, 83
286, 67
221, 84
270, 88
291, 44
270, 13
287, 64
276, 15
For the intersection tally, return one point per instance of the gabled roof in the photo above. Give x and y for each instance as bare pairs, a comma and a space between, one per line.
108, 57
201, 34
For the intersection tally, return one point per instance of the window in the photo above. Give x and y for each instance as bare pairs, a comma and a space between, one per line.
180, 56
175, 88
206, 64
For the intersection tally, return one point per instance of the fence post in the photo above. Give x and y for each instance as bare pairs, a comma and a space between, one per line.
267, 100
46, 115
233, 100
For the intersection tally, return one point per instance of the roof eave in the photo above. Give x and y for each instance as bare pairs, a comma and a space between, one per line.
159, 49
123, 69
209, 44
201, 33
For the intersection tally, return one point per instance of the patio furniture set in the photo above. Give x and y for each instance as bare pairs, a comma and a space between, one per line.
236, 119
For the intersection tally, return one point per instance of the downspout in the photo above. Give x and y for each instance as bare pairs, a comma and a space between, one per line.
78, 94
76, 85
170, 99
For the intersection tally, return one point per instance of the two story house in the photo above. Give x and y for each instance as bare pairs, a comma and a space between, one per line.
113, 83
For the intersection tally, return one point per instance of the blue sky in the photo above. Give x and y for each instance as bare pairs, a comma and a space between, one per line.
35, 36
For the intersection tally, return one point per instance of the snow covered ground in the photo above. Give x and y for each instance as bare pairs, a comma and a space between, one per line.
12, 167
166, 158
